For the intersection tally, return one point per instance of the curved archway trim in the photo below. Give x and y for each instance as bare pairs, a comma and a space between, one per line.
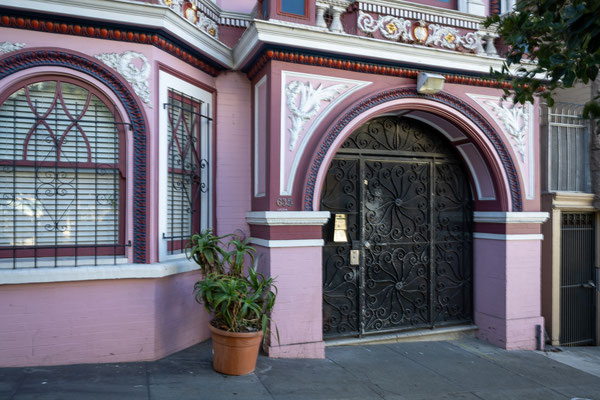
401, 93
22, 60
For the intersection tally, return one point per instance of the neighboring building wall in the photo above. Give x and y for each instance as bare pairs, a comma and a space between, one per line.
578, 94
567, 188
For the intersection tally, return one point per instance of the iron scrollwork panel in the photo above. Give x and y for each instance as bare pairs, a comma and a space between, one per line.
397, 249
411, 218
392, 134
340, 279
453, 246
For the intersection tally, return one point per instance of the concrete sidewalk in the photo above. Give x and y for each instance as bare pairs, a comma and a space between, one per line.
462, 369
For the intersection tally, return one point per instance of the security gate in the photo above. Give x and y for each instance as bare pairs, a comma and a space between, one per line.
397, 249
578, 280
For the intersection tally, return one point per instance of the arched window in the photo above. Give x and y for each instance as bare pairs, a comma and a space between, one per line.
62, 175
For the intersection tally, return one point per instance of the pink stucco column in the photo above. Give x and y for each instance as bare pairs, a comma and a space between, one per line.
290, 248
507, 278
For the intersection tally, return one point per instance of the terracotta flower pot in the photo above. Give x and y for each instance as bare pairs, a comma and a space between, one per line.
235, 353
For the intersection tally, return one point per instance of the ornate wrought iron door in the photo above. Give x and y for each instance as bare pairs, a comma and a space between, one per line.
407, 204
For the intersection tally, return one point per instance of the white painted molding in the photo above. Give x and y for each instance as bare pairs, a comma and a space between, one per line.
504, 237
7, 47
433, 13
137, 77
288, 243
90, 273
280, 218
257, 110
496, 217
166, 82
314, 38
144, 14
476, 7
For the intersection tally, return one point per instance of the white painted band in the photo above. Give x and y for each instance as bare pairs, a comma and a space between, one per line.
496, 217
90, 273
280, 218
505, 237
288, 243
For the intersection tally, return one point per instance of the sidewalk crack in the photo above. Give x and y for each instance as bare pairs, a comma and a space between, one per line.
147, 380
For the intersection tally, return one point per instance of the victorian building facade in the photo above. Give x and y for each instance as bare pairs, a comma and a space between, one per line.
383, 203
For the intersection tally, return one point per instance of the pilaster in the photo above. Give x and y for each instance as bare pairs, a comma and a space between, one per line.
290, 247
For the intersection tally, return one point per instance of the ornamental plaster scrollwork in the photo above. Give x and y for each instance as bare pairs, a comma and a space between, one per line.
189, 10
390, 27
396, 28
174, 4
208, 25
450, 38
305, 107
137, 77
7, 47
516, 122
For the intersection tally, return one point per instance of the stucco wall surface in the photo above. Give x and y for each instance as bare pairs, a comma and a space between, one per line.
99, 321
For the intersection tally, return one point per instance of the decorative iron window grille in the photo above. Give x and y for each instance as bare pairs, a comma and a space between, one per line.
189, 127
568, 156
62, 177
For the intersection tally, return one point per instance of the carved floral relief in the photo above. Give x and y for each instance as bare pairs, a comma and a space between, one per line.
304, 102
137, 77
515, 121
395, 28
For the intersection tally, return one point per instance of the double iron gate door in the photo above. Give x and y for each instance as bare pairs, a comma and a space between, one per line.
398, 248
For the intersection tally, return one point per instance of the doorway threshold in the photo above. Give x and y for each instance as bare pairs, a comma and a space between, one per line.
421, 335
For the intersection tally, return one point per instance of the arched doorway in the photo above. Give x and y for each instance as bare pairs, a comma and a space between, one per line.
400, 201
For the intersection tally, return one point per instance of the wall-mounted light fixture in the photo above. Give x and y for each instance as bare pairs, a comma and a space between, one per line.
430, 83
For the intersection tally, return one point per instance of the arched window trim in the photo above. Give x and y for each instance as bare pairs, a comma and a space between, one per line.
83, 254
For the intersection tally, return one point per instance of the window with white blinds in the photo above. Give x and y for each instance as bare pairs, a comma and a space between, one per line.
188, 168
61, 183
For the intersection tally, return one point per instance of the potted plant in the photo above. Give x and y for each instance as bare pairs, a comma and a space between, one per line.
237, 295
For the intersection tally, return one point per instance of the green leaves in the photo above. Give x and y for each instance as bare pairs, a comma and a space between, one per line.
206, 249
241, 299
559, 39
239, 303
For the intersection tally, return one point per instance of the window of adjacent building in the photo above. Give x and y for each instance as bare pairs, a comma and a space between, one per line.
568, 155
506, 6
297, 7
62, 178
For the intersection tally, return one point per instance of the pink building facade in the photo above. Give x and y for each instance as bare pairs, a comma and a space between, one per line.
381, 208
